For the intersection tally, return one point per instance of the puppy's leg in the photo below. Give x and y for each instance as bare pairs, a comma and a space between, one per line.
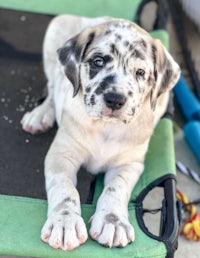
41, 118
110, 225
64, 227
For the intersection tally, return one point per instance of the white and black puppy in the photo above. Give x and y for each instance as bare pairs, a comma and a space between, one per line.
108, 85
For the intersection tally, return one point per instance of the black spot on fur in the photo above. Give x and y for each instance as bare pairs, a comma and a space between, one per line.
69, 199
154, 53
93, 73
72, 74
122, 178
111, 189
126, 43
133, 111
155, 74
92, 100
114, 50
70, 48
111, 218
114, 89
85, 98
99, 90
143, 44
89, 42
108, 32
107, 58
122, 25
118, 37
88, 89
154, 57
130, 93
138, 54
166, 79
77, 52
107, 81
65, 213
62, 54
110, 79
131, 47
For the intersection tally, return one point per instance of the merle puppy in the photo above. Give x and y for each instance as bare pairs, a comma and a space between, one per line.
108, 85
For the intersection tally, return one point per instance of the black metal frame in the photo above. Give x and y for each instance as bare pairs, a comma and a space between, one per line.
170, 215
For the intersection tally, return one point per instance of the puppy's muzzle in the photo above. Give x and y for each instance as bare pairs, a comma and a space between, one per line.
114, 101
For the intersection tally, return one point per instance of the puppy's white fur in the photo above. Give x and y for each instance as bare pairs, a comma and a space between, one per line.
114, 140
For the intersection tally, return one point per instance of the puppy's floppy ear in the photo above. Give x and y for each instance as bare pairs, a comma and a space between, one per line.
166, 71
70, 56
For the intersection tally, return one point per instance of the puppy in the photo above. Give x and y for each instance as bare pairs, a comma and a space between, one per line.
108, 85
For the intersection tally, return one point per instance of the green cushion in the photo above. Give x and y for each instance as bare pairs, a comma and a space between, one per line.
160, 159
21, 220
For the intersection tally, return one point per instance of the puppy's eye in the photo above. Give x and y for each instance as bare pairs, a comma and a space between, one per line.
98, 62
140, 72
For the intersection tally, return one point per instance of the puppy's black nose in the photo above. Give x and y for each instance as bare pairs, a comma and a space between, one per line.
114, 100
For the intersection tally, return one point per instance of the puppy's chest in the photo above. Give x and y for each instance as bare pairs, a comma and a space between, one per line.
107, 149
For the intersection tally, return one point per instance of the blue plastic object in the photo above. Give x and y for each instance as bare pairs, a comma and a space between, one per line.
190, 106
187, 100
192, 135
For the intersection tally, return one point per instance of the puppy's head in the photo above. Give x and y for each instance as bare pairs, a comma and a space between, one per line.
115, 67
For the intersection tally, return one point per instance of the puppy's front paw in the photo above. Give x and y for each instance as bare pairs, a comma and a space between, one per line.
65, 231
111, 229
38, 120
